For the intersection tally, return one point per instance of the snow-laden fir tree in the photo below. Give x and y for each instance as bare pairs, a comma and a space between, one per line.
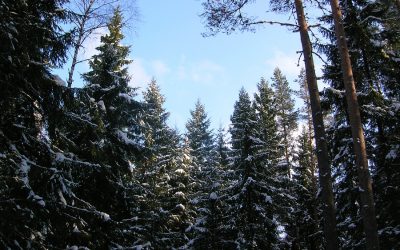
158, 166
206, 176
286, 114
221, 148
33, 213
199, 136
306, 211
271, 152
116, 141
251, 211
177, 209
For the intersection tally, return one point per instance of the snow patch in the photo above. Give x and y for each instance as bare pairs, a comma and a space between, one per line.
124, 138
179, 194
268, 199
101, 105
125, 96
58, 81
180, 207
180, 171
213, 196
391, 155
105, 216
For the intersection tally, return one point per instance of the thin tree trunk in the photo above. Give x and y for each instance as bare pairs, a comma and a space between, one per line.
365, 183
74, 60
79, 41
319, 132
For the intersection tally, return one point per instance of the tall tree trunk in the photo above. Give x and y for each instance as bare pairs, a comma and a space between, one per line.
314, 188
306, 96
319, 131
365, 183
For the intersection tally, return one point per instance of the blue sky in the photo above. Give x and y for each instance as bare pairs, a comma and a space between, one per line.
167, 44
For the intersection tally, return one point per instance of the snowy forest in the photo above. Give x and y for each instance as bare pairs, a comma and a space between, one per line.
97, 167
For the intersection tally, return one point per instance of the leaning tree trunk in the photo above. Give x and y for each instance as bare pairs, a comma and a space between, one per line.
365, 183
319, 132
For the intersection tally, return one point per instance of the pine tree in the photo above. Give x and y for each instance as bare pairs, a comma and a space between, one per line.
228, 17
359, 146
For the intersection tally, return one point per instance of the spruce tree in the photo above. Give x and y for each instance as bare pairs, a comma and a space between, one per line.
157, 166
252, 208
305, 214
199, 135
116, 142
178, 209
32, 209
271, 152
206, 175
286, 114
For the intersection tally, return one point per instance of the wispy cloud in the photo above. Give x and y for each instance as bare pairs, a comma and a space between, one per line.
201, 72
140, 76
286, 62
159, 68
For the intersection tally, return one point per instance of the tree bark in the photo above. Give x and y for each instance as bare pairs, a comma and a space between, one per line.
82, 24
314, 184
74, 60
365, 183
319, 131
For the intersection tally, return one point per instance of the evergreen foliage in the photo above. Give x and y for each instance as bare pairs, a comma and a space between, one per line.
206, 175
94, 168
306, 210
371, 44
256, 193
286, 114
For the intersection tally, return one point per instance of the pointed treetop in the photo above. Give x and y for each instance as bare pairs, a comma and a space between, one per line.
114, 27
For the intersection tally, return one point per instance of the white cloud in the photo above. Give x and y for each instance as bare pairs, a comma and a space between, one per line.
159, 68
181, 72
201, 72
286, 63
140, 77
206, 72
91, 43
